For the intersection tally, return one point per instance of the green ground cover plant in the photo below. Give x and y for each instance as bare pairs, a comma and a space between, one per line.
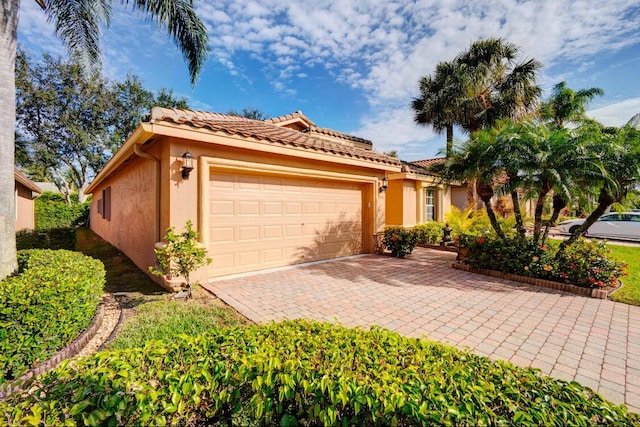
630, 291
43, 307
303, 373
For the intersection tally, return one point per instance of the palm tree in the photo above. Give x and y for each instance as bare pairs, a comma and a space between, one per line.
618, 150
492, 85
437, 104
474, 162
495, 85
77, 23
566, 105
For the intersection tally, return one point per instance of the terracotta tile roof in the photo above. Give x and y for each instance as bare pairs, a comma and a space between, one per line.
427, 163
263, 131
288, 117
22, 179
313, 128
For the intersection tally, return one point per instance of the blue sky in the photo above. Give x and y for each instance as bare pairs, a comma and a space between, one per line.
353, 66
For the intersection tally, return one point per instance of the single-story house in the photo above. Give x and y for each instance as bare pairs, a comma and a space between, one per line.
26, 191
261, 194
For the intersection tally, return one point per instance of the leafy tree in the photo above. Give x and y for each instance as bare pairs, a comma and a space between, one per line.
70, 123
249, 113
566, 105
78, 24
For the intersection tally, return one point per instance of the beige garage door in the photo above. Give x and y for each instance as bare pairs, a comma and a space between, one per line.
259, 221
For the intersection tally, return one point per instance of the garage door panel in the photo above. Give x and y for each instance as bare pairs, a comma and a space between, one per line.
259, 222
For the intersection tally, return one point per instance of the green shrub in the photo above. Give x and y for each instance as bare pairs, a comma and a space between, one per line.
55, 238
429, 233
45, 306
399, 240
303, 373
585, 263
50, 212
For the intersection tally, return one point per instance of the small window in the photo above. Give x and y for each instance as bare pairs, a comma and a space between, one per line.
104, 204
430, 211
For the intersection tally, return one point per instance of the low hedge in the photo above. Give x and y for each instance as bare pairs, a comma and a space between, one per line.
51, 299
303, 373
586, 264
55, 238
429, 233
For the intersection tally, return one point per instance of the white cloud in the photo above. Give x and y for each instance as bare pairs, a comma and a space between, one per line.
617, 114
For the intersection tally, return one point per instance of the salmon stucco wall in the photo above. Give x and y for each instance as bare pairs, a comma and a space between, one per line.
24, 208
459, 197
132, 227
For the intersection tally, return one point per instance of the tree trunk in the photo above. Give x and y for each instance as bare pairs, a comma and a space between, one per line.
559, 203
485, 192
515, 200
9, 11
605, 200
449, 140
537, 219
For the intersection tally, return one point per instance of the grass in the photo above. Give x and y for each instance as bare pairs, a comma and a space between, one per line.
164, 320
149, 312
630, 291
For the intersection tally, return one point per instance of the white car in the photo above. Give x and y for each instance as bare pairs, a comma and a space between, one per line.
613, 225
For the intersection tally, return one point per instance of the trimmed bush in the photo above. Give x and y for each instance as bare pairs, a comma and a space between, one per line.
45, 306
585, 263
51, 212
55, 238
303, 373
429, 233
399, 240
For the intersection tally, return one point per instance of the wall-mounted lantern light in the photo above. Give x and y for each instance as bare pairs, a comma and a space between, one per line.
187, 164
384, 184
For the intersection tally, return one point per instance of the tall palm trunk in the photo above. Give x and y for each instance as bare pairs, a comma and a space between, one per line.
8, 39
449, 131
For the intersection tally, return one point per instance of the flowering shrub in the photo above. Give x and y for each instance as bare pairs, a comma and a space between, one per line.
399, 241
585, 264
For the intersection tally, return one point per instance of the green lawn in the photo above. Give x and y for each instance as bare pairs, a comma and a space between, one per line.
149, 312
630, 292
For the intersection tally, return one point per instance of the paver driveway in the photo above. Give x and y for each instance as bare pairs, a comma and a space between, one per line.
595, 342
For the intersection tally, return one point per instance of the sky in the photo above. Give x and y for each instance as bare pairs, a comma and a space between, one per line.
354, 65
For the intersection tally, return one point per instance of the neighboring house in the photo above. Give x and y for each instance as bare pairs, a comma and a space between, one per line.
25, 191
261, 194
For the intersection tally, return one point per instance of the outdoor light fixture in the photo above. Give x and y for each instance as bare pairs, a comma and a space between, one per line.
384, 185
187, 164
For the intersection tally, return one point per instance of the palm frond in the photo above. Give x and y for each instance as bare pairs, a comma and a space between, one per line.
184, 27
77, 23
